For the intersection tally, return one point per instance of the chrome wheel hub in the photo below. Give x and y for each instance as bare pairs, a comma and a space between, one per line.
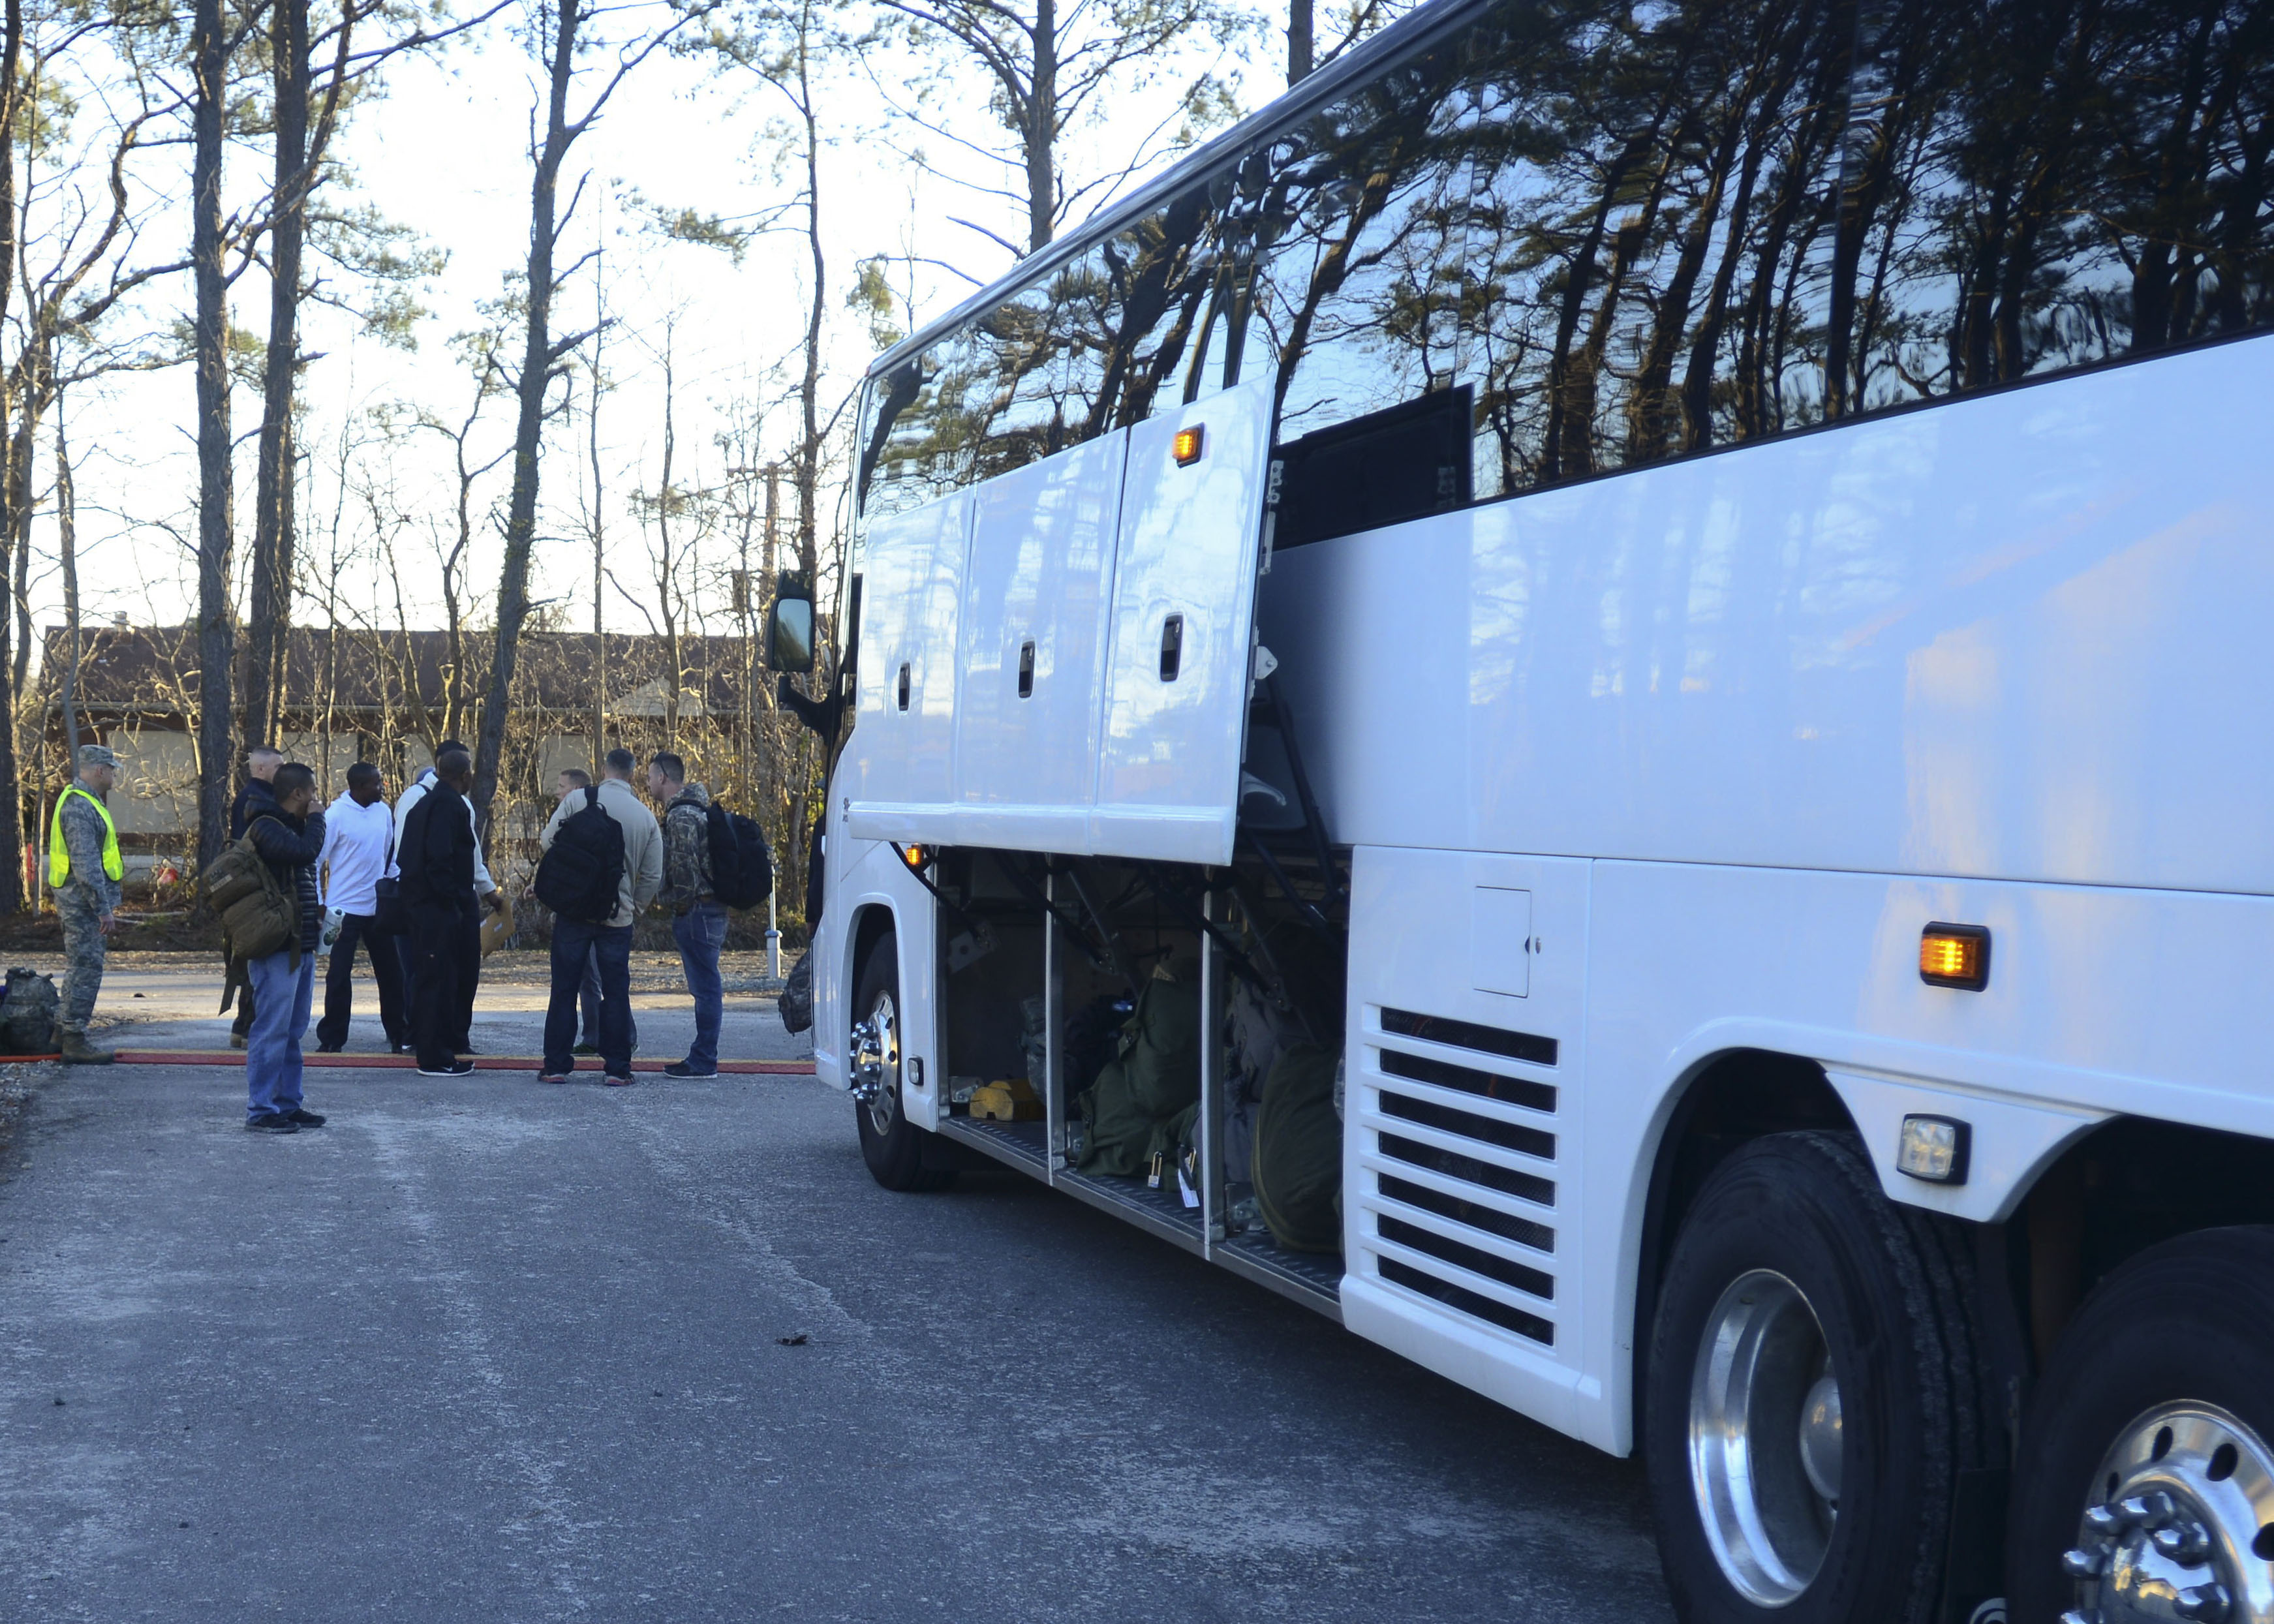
1764, 1439
875, 1052
2181, 1525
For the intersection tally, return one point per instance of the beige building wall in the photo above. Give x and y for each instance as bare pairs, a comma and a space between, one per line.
157, 791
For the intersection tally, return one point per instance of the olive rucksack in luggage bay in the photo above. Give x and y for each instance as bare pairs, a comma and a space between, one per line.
581, 876
1154, 1075
1298, 1150
1260, 1024
27, 1013
742, 864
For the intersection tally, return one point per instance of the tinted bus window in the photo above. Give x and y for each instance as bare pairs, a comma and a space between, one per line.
2040, 185
1653, 237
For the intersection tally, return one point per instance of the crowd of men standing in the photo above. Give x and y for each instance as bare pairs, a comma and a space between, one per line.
408, 887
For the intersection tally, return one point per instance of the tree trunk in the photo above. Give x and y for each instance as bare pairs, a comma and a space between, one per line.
216, 649
272, 523
537, 364
809, 393
12, 794
67, 555
667, 581
600, 553
1299, 41
1042, 128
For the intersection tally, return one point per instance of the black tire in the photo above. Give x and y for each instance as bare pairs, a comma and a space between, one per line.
2190, 1322
900, 1154
1888, 1287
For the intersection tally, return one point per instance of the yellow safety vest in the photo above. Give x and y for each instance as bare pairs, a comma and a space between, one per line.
60, 854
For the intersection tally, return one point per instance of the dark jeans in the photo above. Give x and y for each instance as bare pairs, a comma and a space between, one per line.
445, 942
576, 946
339, 984
701, 932
588, 1002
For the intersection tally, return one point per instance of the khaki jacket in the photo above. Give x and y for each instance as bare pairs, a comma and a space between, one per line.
643, 845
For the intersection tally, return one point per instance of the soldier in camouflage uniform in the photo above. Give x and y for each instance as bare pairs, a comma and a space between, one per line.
84, 870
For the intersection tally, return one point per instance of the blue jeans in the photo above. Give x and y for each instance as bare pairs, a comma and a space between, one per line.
283, 997
701, 932
577, 948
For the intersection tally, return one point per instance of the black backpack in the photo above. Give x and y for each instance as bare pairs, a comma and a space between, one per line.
581, 876
742, 867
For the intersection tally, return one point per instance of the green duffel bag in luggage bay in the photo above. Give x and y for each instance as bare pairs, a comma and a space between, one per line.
1298, 1151
1154, 1073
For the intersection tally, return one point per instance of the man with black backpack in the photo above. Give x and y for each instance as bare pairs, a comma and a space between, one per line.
712, 860
602, 863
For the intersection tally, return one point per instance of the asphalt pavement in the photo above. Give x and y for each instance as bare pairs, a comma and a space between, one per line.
482, 1349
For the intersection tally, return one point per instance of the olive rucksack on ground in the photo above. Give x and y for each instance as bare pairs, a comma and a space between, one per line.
1298, 1169
795, 1005
741, 864
1154, 1073
581, 876
27, 1013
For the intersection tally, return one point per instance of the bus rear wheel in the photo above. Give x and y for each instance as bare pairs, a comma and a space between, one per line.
900, 1154
1808, 1393
2145, 1488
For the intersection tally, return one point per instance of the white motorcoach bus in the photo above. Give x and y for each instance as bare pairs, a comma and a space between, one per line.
1599, 696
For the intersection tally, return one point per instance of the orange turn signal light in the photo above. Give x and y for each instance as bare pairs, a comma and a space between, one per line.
1955, 956
1188, 444
914, 856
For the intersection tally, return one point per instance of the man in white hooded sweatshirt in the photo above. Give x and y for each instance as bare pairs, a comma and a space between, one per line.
358, 853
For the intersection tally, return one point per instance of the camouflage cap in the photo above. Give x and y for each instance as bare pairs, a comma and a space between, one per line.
96, 755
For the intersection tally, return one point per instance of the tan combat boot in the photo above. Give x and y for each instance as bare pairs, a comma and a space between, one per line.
77, 1051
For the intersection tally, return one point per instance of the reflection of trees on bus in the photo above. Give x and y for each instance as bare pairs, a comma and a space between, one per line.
1635, 233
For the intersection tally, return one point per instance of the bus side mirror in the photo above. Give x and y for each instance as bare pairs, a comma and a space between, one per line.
789, 629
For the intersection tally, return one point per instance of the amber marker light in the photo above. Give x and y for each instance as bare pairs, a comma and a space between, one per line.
913, 856
1955, 956
1188, 445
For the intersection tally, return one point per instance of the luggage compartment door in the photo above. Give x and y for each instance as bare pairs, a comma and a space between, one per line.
1033, 634
1184, 610
901, 756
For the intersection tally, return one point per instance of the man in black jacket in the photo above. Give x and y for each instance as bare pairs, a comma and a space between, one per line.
289, 834
435, 858
258, 795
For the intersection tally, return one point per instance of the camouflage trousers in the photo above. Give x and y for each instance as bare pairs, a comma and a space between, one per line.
83, 956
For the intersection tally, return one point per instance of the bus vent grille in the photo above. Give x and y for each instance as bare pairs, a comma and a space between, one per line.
1490, 1310
1491, 1220
1454, 1228
1467, 1034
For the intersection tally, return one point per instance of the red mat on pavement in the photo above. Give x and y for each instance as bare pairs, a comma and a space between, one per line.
405, 1063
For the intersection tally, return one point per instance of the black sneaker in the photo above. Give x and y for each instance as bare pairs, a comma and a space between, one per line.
680, 1068
273, 1123
456, 1068
329, 1048
304, 1118
401, 1049
585, 1048
547, 1075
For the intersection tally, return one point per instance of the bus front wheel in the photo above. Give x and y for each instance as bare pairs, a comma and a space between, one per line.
900, 1154
1808, 1393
